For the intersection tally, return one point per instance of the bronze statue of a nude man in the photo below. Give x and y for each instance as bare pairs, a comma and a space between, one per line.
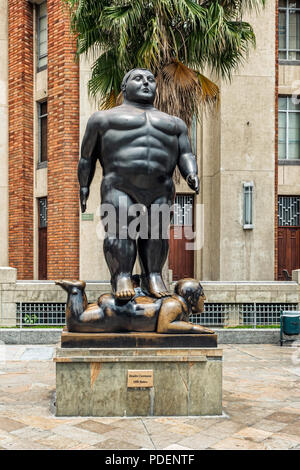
138, 147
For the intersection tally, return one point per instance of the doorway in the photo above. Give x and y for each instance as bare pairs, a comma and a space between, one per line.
181, 260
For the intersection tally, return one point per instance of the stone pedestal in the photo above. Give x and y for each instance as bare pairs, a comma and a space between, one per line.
94, 382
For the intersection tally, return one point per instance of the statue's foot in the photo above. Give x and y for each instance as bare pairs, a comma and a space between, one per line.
156, 286
123, 288
68, 285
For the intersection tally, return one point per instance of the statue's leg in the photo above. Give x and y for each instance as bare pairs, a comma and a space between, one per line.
153, 252
119, 248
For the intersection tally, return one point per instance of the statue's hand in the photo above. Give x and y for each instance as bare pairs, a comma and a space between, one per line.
193, 182
84, 194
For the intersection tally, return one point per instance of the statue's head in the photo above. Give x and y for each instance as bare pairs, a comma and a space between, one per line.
192, 292
139, 86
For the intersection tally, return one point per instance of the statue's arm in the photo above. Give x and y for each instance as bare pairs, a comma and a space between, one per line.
187, 162
90, 149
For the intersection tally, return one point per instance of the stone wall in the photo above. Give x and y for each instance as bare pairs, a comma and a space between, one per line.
4, 133
20, 105
63, 145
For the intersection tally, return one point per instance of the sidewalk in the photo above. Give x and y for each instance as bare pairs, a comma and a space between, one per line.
261, 403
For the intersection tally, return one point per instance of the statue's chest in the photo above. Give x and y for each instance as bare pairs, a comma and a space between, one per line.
145, 123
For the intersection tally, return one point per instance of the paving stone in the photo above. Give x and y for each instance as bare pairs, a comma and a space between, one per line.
8, 424
135, 425
280, 442
223, 429
94, 426
81, 435
269, 425
125, 435
57, 443
199, 441
116, 445
163, 439
183, 429
37, 354
231, 443
283, 417
176, 447
292, 429
252, 434
31, 434
22, 444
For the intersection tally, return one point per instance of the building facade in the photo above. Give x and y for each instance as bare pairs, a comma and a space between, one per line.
247, 215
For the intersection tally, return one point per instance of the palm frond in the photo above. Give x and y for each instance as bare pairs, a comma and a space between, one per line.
182, 91
176, 39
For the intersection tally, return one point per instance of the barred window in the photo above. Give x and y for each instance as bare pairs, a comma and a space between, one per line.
288, 211
183, 210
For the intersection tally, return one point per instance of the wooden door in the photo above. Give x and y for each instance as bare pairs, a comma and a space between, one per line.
288, 250
181, 260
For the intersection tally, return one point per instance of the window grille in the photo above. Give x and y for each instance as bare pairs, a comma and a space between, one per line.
288, 211
183, 210
289, 30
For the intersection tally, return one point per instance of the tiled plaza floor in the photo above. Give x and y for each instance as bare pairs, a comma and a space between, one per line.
261, 403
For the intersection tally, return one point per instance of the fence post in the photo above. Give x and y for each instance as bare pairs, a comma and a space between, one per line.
21, 314
254, 315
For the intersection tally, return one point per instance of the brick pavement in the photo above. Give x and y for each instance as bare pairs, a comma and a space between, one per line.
261, 402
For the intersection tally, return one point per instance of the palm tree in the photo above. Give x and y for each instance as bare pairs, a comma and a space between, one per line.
176, 39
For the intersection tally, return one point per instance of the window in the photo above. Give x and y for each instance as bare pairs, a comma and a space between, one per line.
289, 30
43, 210
288, 129
248, 205
42, 36
43, 116
42, 247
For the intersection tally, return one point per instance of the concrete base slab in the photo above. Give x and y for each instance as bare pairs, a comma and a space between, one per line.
136, 340
94, 382
225, 336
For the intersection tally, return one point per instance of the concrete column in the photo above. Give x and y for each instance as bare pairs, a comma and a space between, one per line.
296, 275
8, 279
3, 133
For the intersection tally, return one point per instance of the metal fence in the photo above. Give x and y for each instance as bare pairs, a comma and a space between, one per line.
243, 314
215, 314
48, 314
